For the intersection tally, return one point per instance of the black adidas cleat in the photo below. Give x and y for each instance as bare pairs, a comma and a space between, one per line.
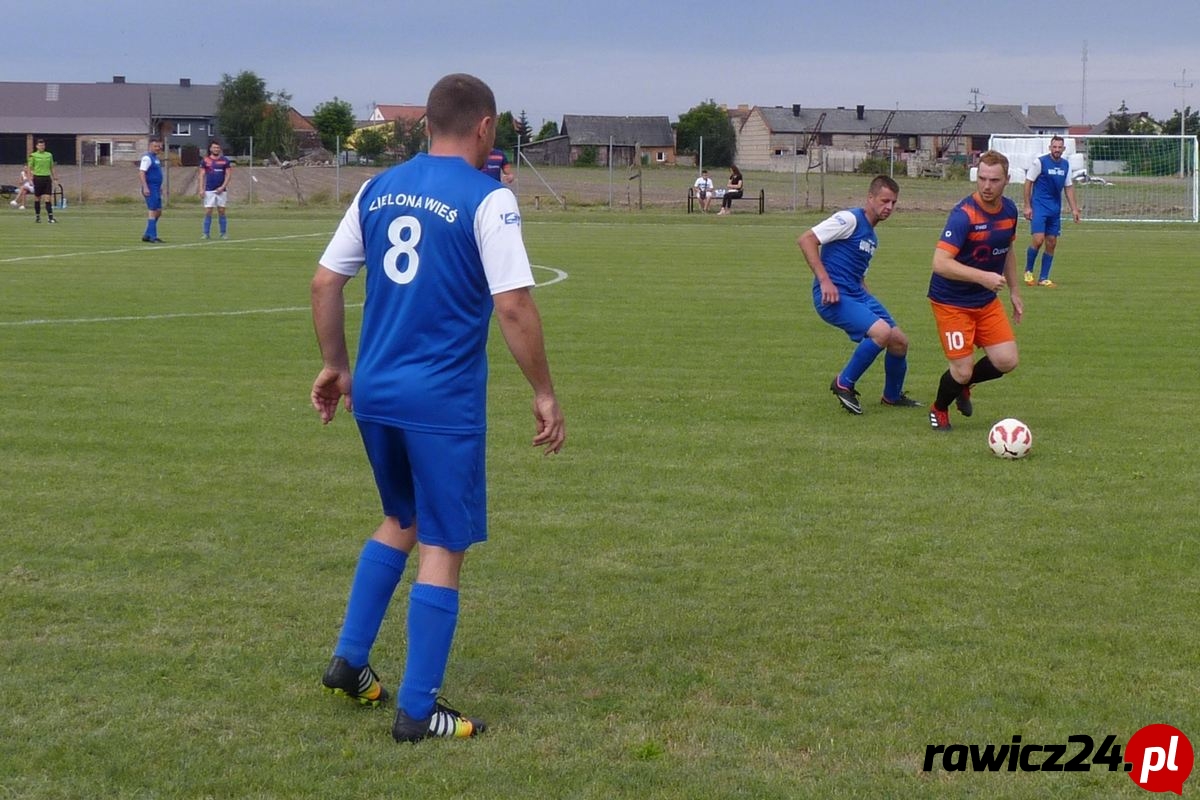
360, 684
445, 722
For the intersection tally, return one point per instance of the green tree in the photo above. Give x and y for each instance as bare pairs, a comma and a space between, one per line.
408, 140
549, 130
240, 108
506, 131
334, 121
246, 109
1119, 121
275, 133
709, 122
524, 132
371, 142
1191, 122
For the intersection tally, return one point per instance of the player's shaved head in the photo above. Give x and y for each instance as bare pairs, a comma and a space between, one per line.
457, 103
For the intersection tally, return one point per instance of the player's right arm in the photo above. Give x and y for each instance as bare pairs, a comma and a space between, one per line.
945, 256
1030, 176
810, 246
201, 175
332, 383
839, 226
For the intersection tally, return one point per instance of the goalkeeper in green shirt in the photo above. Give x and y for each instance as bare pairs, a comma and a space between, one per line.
41, 164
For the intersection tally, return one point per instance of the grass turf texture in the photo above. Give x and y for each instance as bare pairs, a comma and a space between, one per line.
724, 587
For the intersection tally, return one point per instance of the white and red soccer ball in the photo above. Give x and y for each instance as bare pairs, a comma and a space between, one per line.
1010, 438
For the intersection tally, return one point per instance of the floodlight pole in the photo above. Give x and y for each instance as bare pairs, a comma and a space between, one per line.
1183, 84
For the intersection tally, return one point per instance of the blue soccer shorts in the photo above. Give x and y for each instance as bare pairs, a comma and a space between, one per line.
434, 479
853, 313
154, 200
1046, 222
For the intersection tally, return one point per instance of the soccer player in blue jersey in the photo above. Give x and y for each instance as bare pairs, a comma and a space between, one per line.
151, 174
442, 247
973, 261
838, 252
213, 179
1045, 184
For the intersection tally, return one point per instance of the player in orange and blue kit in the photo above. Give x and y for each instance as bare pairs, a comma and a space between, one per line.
214, 174
973, 260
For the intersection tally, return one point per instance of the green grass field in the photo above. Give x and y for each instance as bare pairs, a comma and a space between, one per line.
724, 587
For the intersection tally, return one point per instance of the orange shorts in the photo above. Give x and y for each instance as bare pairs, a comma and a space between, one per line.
961, 330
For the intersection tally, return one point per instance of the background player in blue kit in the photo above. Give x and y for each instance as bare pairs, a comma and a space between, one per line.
838, 252
213, 179
442, 247
974, 259
1045, 183
151, 175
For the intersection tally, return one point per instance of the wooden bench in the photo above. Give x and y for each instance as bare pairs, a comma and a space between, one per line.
693, 199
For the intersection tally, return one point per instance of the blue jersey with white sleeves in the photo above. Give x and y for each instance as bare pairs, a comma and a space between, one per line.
1050, 177
438, 238
848, 241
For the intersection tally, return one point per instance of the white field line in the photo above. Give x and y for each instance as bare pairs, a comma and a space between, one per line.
155, 248
559, 276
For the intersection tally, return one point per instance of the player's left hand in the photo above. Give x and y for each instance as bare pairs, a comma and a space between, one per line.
331, 386
1018, 307
551, 429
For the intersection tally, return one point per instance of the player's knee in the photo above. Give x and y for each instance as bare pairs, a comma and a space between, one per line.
897, 342
1005, 363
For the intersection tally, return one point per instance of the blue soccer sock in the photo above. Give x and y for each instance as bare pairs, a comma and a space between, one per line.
207, 225
894, 370
1030, 258
152, 228
432, 618
221, 224
375, 580
1047, 262
864, 356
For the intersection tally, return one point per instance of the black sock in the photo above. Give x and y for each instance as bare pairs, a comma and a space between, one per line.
37, 207
948, 391
985, 370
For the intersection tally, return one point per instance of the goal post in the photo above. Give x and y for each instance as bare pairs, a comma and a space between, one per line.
1117, 178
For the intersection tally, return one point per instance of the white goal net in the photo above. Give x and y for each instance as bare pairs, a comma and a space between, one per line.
1117, 178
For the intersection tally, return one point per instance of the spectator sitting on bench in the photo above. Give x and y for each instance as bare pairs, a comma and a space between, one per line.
733, 190
704, 190
24, 188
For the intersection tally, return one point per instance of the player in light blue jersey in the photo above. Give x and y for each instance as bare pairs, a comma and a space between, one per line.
442, 247
838, 252
1045, 184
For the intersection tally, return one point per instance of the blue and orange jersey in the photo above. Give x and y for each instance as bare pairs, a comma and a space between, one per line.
977, 238
215, 168
495, 164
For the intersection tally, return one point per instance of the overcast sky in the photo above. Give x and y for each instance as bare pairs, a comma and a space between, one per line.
623, 57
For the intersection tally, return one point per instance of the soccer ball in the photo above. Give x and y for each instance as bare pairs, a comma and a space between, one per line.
1010, 438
